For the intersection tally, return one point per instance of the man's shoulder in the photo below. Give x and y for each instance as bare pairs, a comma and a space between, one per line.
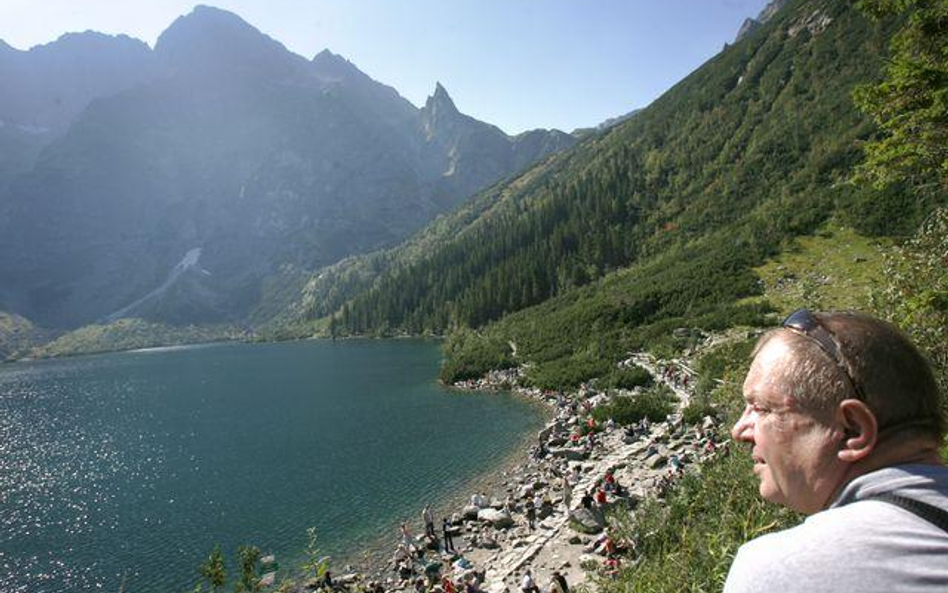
846, 542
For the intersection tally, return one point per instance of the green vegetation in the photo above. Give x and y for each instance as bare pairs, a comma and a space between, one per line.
834, 269
213, 571
691, 194
915, 296
910, 104
628, 377
132, 334
18, 335
656, 404
469, 356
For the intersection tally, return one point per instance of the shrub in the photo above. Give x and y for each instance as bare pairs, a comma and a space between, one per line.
626, 378
654, 404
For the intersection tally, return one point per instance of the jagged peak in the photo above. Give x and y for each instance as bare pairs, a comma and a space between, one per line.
440, 101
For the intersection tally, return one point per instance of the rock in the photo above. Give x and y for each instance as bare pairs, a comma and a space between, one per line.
487, 542
655, 460
568, 453
470, 511
586, 521
575, 540
499, 519
347, 579
525, 491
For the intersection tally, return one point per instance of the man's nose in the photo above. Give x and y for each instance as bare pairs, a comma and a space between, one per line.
743, 429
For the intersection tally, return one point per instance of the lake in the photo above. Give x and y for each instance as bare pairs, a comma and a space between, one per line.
132, 466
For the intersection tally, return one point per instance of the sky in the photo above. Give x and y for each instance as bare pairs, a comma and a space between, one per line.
518, 64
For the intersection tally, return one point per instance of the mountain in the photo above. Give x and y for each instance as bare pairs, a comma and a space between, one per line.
656, 224
46, 88
750, 25
242, 158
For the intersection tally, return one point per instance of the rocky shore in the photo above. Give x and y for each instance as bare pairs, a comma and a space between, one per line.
547, 515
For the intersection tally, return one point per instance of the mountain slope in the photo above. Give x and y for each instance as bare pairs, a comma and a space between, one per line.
689, 195
258, 158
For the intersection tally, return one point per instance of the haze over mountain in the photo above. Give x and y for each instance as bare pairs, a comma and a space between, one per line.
175, 184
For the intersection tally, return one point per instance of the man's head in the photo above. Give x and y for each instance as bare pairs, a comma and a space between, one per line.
830, 396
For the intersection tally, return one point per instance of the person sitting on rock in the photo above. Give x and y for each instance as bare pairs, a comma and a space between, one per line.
609, 481
447, 585
528, 585
587, 501
600, 497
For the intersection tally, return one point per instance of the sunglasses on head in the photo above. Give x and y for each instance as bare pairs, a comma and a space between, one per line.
805, 323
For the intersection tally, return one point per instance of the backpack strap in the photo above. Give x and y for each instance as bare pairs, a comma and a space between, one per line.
934, 515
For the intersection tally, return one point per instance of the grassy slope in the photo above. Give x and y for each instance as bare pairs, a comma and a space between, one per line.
131, 334
688, 543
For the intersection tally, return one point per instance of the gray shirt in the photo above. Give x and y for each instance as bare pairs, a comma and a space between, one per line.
855, 544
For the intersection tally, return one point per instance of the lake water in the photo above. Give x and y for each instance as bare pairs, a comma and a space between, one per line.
134, 465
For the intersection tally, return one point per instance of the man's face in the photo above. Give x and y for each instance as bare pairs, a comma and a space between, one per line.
794, 451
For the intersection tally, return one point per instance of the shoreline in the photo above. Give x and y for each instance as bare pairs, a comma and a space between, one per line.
374, 558
495, 541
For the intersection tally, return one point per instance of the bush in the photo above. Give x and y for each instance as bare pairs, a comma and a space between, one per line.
697, 409
626, 378
565, 373
470, 356
654, 404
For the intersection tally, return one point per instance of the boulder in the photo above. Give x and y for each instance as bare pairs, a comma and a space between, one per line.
568, 453
586, 520
655, 460
499, 519
470, 511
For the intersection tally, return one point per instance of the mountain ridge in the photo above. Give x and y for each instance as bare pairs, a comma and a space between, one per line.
234, 145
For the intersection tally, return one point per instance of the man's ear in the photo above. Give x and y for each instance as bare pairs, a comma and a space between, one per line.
860, 430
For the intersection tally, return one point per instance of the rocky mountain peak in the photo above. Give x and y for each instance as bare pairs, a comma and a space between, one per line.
765, 15
440, 104
211, 39
332, 66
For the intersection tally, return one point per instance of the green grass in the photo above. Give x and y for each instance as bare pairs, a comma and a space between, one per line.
836, 268
131, 334
687, 542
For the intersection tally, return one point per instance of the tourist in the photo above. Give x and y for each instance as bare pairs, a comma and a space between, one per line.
428, 519
567, 493
528, 585
844, 423
447, 585
407, 539
586, 501
559, 579
610, 484
600, 497
531, 514
447, 535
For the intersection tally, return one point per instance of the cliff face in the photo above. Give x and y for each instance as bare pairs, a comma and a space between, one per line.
225, 145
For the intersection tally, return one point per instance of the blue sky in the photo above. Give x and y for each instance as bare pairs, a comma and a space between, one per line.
519, 64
